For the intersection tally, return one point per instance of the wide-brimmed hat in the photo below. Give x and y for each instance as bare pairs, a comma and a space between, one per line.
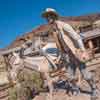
50, 12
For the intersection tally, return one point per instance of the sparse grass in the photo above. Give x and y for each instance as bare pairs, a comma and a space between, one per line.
26, 79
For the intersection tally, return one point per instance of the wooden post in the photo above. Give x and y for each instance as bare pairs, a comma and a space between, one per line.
91, 46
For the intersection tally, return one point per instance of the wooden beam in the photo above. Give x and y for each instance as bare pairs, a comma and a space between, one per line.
90, 43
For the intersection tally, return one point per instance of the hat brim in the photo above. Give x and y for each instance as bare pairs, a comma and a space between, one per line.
50, 13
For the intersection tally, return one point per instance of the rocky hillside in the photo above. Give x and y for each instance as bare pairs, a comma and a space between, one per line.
76, 22
91, 17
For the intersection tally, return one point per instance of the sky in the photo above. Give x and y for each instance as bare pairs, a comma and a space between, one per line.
18, 17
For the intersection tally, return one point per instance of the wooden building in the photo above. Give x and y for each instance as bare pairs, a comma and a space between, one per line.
91, 38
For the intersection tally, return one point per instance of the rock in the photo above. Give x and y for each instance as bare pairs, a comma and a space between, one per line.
3, 78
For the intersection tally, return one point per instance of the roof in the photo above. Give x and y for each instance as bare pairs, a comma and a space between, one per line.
91, 34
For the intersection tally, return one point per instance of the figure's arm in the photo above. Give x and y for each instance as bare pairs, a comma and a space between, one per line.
74, 35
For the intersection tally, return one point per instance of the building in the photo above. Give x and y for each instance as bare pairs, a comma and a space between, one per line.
91, 38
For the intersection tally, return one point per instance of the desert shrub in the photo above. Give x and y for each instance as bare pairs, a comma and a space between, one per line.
31, 79
28, 80
12, 94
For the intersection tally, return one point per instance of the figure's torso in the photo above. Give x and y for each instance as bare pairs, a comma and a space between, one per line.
65, 42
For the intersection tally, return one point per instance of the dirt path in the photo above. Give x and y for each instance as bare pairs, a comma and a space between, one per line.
61, 95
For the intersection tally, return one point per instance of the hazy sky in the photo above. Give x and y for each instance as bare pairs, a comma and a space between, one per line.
20, 16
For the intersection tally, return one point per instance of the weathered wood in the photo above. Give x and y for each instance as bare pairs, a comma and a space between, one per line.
5, 52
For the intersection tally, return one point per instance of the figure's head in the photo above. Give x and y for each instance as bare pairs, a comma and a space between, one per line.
50, 15
28, 43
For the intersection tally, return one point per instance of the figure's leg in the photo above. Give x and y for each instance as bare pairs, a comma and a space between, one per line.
12, 77
72, 79
50, 86
71, 68
90, 79
71, 72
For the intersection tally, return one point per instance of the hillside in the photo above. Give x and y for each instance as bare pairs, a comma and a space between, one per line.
76, 22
